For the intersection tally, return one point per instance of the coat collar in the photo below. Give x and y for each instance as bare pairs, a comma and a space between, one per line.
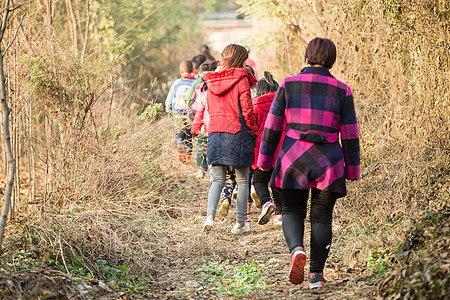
187, 76
317, 70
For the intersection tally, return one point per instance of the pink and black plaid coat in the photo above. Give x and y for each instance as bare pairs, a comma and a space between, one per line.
317, 109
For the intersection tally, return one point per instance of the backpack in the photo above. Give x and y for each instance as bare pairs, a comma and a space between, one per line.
197, 100
179, 103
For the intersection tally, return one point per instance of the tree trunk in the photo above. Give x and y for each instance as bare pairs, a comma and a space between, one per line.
86, 32
31, 168
10, 157
6, 134
72, 25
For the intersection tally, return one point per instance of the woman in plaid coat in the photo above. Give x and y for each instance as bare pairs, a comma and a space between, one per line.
317, 109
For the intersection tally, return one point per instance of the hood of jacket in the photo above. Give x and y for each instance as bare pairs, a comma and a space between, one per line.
222, 81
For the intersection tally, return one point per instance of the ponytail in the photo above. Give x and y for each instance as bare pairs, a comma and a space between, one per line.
266, 84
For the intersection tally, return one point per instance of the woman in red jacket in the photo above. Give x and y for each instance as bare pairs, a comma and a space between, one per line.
231, 131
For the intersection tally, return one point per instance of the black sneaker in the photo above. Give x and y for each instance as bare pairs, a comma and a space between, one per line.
316, 280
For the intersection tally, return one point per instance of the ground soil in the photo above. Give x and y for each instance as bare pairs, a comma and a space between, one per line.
184, 248
188, 247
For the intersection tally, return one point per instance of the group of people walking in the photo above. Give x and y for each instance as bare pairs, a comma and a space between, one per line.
300, 138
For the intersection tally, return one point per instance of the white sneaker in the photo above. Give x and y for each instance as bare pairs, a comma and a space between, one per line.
239, 229
199, 174
267, 211
209, 223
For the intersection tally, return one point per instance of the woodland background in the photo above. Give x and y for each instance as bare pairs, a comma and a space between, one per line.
85, 81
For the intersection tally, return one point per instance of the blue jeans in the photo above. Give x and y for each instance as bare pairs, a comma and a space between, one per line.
218, 174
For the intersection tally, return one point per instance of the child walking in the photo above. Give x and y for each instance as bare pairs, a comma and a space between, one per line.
177, 105
265, 92
317, 111
231, 131
197, 98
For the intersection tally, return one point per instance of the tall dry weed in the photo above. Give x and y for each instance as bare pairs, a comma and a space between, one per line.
96, 174
396, 58
117, 206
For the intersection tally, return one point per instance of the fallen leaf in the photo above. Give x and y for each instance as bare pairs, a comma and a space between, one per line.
353, 263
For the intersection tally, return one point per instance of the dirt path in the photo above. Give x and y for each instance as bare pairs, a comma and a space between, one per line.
195, 259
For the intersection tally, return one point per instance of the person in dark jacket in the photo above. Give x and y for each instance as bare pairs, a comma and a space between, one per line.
317, 111
231, 131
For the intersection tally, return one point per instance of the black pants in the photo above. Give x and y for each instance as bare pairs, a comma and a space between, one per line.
294, 213
250, 180
261, 183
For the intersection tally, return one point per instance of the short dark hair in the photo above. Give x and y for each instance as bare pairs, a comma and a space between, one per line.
186, 66
266, 84
214, 65
204, 67
234, 56
321, 52
208, 66
198, 60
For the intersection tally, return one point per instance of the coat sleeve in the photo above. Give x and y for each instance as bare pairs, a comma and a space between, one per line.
273, 130
171, 95
198, 120
350, 138
245, 99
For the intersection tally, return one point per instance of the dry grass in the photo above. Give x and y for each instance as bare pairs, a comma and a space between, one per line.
119, 205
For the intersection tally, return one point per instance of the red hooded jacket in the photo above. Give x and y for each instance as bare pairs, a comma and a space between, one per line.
226, 90
262, 106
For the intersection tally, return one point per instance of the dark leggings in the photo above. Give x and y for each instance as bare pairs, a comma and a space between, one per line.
294, 213
250, 180
261, 183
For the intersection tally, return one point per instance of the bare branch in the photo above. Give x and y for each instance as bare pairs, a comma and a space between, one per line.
140, 21
15, 35
5, 19
19, 6
7, 7
93, 100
